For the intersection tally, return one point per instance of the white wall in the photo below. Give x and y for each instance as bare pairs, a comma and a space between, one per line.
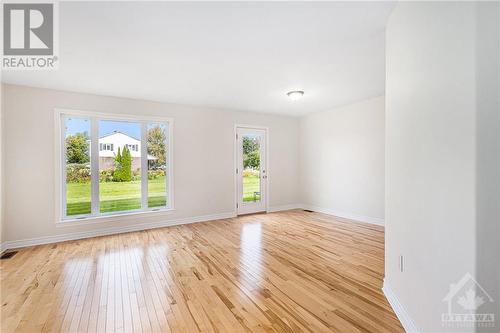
431, 118
203, 158
488, 152
1, 158
342, 160
1, 167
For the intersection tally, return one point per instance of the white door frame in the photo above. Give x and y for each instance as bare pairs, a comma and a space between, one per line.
236, 175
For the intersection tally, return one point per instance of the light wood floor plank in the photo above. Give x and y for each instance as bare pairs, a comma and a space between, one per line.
290, 271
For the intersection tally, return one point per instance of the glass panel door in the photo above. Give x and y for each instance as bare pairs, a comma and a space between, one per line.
251, 171
251, 168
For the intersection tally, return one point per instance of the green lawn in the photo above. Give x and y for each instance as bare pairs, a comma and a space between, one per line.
114, 196
251, 184
125, 196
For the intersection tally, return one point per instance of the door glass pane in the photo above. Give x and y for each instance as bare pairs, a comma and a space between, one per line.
119, 166
251, 168
157, 165
77, 157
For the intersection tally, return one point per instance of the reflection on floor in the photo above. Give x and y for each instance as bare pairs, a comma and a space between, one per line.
287, 271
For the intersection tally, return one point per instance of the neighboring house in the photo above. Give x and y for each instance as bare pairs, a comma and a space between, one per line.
108, 149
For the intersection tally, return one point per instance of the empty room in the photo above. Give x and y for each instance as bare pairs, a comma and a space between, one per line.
250, 166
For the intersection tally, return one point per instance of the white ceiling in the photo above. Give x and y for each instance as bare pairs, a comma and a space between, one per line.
235, 55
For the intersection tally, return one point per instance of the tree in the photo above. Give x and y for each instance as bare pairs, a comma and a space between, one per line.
251, 160
126, 165
250, 145
123, 166
117, 174
251, 156
157, 139
77, 148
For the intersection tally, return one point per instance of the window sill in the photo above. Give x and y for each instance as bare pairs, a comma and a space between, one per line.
113, 217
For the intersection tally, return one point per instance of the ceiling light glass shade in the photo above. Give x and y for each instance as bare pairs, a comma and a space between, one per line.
295, 94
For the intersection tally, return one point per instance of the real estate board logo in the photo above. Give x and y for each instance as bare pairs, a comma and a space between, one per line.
29, 36
464, 300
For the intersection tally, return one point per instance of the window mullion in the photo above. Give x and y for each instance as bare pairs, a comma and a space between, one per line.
94, 166
168, 171
63, 166
144, 165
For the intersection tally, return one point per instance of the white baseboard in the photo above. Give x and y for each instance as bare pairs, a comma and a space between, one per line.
399, 310
345, 215
112, 230
283, 207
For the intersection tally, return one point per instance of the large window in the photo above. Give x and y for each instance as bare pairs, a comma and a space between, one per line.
112, 165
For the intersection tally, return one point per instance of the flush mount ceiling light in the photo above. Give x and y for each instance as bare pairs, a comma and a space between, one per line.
296, 94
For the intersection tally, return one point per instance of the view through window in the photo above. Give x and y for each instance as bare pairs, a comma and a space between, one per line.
77, 168
130, 165
119, 168
251, 168
157, 165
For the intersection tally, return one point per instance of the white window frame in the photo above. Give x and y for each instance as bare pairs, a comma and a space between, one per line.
60, 169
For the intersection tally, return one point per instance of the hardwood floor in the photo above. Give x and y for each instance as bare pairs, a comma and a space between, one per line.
288, 271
